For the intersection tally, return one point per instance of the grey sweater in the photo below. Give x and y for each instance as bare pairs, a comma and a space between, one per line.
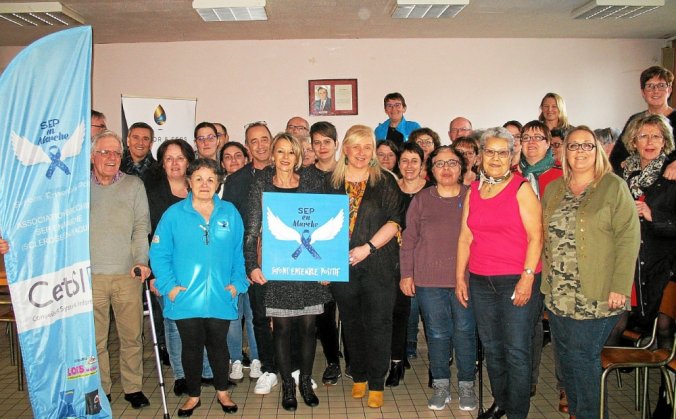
119, 225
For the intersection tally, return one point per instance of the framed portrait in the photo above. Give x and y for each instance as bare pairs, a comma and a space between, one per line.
333, 97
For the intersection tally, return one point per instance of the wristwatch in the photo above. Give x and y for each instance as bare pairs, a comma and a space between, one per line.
372, 246
529, 271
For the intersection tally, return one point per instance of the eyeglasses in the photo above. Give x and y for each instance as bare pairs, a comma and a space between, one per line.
424, 142
459, 130
203, 139
646, 137
533, 138
657, 86
468, 153
556, 145
440, 164
396, 105
220, 134
255, 123
517, 137
296, 128
109, 153
580, 146
490, 153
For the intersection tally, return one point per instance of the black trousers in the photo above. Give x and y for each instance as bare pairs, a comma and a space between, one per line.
262, 332
328, 332
196, 333
402, 309
366, 303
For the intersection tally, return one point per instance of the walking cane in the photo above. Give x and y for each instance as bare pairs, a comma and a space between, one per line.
137, 272
480, 359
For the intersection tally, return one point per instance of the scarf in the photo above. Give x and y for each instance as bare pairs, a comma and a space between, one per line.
533, 172
640, 179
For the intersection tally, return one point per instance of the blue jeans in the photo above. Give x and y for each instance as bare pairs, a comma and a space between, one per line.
578, 346
447, 323
174, 348
506, 334
235, 331
413, 320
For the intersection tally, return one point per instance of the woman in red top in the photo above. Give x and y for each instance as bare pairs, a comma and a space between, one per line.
501, 241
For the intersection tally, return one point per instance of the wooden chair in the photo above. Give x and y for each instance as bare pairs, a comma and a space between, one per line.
641, 358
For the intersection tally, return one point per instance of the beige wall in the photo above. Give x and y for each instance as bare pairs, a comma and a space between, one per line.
487, 80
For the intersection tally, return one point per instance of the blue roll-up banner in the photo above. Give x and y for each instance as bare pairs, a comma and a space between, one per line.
44, 215
305, 237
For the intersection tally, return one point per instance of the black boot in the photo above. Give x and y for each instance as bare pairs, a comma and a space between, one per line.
289, 394
397, 372
309, 396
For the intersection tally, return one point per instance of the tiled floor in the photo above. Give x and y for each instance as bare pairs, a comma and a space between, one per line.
408, 400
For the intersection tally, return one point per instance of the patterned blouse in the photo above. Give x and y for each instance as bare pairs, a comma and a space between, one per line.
566, 298
355, 192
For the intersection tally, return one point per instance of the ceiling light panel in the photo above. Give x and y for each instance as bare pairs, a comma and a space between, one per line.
230, 10
428, 9
50, 13
616, 9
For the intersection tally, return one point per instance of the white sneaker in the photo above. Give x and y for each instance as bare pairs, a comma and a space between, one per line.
265, 383
296, 376
255, 371
236, 373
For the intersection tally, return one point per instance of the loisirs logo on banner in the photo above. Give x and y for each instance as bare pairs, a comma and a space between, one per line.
44, 214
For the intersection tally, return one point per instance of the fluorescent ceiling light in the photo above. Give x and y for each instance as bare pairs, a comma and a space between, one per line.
48, 13
230, 10
428, 9
617, 9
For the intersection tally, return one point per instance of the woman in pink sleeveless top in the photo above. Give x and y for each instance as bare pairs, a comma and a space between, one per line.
501, 241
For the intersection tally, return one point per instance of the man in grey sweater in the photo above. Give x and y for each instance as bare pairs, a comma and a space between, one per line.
119, 227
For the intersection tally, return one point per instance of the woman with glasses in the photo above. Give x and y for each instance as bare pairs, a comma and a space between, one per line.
206, 140
469, 149
428, 264
500, 242
406, 310
428, 140
514, 128
591, 234
539, 166
649, 140
396, 128
553, 112
367, 300
656, 87
198, 261
292, 305
557, 144
537, 160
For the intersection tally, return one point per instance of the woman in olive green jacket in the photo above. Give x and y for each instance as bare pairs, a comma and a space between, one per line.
591, 242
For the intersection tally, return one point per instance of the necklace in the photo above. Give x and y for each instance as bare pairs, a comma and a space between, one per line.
492, 181
576, 188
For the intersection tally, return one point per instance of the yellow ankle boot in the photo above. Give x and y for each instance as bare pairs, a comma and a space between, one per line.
375, 399
358, 390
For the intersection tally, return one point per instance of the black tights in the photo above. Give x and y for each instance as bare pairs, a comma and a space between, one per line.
615, 337
282, 330
665, 331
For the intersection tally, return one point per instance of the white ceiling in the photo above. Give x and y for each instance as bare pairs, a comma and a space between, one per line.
131, 21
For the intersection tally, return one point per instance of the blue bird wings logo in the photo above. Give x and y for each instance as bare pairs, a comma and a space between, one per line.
30, 154
328, 231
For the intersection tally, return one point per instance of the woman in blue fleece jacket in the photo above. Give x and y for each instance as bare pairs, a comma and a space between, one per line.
198, 261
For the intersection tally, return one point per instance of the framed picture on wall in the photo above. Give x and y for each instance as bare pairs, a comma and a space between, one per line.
333, 97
